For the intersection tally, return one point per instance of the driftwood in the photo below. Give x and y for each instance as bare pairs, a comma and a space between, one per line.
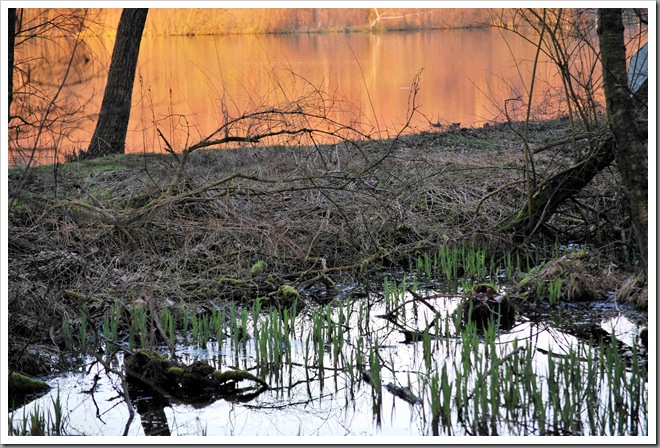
398, 391
404, 393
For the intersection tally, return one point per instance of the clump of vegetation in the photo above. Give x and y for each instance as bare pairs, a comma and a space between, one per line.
634, 289
41, 422
573, 277
484, 306
287, 295
258, 268
195, 383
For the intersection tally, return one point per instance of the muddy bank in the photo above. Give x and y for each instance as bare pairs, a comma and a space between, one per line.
135, 229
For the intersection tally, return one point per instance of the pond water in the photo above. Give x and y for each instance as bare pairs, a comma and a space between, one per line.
347, 369
185, 85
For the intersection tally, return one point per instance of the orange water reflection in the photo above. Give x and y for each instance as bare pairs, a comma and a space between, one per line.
183, 82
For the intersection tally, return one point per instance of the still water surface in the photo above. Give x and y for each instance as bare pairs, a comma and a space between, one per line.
315, 394
186, 85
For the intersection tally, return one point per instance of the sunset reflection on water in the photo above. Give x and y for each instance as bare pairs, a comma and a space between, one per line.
185, 85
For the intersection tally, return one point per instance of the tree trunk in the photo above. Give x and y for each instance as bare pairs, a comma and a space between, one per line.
630, 152
110, 133
11, 26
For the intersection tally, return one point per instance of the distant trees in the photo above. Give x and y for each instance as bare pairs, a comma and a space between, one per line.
112, 125
219, 21
426, 18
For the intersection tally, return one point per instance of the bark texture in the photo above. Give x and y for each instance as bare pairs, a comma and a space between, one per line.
11, 26
630, 151
110, 133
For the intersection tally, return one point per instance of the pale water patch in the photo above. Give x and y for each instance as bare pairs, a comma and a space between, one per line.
307, 398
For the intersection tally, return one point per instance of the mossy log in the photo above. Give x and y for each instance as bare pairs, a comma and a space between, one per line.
484, 306
20, 388
194, 383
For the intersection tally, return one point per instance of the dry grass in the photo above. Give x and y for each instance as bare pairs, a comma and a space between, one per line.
116, 229
584, 278
635, 290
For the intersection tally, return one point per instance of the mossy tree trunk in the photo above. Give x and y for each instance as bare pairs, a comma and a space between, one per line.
630, 150
110, 133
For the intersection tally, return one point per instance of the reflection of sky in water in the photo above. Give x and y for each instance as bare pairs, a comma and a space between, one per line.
622, 327
103, 413
335, 408
541, 336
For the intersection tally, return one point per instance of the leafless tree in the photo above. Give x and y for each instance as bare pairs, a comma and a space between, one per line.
631, 148
110, 133
567, 37
50, 55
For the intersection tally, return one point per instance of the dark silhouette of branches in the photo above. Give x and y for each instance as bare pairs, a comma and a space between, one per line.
568, 38
40, 116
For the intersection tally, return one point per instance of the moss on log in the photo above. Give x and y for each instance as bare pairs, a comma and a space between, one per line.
194, 383
20, 387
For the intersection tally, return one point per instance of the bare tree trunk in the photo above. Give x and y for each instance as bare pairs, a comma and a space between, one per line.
630, 151
11, 26
110, 134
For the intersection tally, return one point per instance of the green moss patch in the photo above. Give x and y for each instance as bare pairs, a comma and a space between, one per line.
288, 292
21, 386
197, 383
258, 268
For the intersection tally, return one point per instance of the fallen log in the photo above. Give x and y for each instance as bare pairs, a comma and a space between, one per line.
194, 383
